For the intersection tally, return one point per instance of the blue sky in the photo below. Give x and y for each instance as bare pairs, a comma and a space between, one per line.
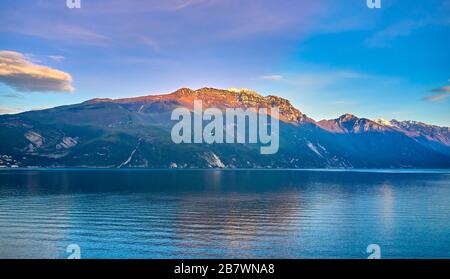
328, 58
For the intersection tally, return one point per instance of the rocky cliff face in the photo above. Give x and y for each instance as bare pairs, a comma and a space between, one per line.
220, 98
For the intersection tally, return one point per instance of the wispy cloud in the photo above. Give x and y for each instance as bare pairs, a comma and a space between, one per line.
385, 36
345, 102
272, 77
139, 6
23, 75
11, 96
181, 4
52, 29
322, 79
400, 29
153, 44
70, 33
57, 58
175, 22
441, 94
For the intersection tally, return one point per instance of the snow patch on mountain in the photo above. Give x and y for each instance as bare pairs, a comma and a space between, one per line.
384, 122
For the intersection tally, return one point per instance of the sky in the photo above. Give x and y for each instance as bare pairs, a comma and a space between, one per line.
327, 57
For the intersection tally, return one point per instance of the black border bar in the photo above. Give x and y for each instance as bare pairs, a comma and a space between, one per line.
282, 268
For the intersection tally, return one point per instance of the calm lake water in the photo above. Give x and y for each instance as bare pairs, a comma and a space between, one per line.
224, 214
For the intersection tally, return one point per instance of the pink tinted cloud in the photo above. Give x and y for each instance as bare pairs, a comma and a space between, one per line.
23, 75
441, 94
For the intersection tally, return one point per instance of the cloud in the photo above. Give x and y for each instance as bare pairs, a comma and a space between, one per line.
441, 89
187, 3
11, 95
401, 29
53, 29
441, 94
133, 6
345, 102
150, 42
8, 110
172, 23
68, 33
17, 71
272, 77
323, 79
57, 58
319, 79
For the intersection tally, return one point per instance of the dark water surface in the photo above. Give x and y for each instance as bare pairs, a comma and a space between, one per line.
224, 214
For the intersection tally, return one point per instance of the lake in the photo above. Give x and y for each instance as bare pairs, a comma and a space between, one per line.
224, 213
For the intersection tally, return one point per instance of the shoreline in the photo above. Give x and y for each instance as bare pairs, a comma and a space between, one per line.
358, 170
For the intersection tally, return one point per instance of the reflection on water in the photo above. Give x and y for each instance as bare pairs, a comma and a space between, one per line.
223, 214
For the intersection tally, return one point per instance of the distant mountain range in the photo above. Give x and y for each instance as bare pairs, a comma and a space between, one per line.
135, 133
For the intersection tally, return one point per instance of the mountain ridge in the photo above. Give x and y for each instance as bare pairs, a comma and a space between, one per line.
243, 91
135, 133
213, 97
